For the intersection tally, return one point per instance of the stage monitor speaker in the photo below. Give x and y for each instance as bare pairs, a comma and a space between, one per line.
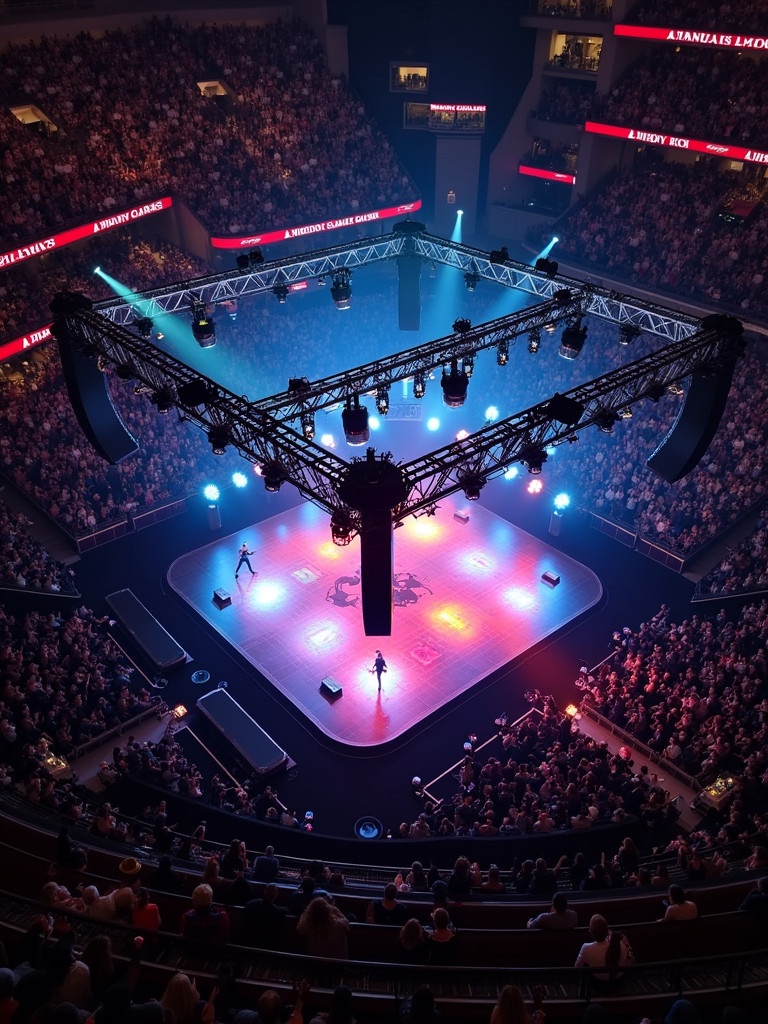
695, 426
409, 293
222, 598
92, 405
331, 688
376, 571
214, 516
550, 578
461, 517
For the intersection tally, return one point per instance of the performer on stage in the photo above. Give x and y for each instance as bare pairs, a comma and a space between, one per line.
379, 666
244, 560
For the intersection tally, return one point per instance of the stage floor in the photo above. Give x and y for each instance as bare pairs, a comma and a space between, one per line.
469, 598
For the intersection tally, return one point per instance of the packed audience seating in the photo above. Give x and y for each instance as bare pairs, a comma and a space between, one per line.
695, 693
138, 265
45, 453
287, 144
656, 226
24, 562
744, 570
681, 93
65, 683
738, 15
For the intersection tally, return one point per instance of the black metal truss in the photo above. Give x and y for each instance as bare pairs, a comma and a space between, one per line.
234, 284
423, 358
491, 450
267, 441
259, 438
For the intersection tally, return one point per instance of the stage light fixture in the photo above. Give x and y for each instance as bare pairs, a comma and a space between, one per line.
419, 385
502, 353
322, 281
203, 327
499, 255
471, 280
144, 327
572, 340
274, 474
342, 528
562, 501
655, 391
211, 492
454, 385
382, 399
533, 458
605, 420
308, 425
219, 436
628, 333
626, 413
676, 388
468, 364
548, 267
240, 480
461, 325
141, 389
471, 483
354, 421
341, 290
280, 291
534, 340
163, 399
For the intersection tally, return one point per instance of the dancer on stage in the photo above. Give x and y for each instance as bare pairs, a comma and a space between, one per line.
379, 666
244, 552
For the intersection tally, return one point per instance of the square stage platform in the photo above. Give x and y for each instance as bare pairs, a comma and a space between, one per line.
469, 597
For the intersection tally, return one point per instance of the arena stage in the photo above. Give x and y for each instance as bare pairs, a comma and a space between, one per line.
469, 597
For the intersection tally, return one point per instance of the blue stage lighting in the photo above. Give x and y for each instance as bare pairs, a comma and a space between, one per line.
511, 473
562, 501
211, 492
491, 413
433, 423
239, 479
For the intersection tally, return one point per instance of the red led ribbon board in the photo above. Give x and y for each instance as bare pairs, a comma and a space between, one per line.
95, 227
754, 156
285, 234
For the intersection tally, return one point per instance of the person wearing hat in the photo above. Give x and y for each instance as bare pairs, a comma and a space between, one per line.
129, 869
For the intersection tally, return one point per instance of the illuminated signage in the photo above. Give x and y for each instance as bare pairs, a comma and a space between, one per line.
542, 172
115, 220
459, 108
731, 40
284, 234
752, 156
12, 348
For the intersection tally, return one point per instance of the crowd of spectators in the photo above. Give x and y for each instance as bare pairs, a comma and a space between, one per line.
695, 693
656, 226
44, 452
283, 143
714, 95
554, 779
714, 16
744, 569
24, 562
65, 683
137, 264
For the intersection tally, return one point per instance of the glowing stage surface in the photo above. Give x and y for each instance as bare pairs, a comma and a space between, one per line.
469, 597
